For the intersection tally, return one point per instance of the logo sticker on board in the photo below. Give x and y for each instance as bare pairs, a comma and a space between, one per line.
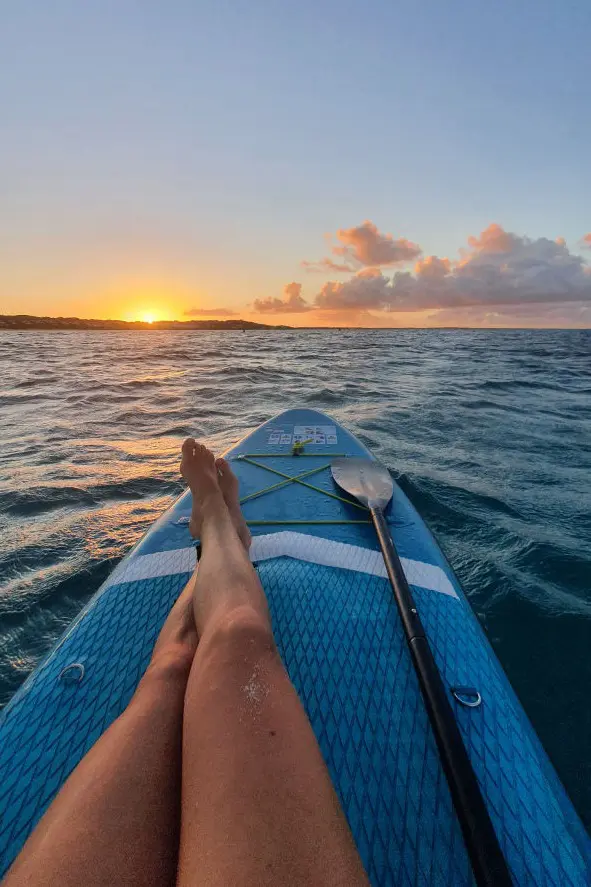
325, 435
322, 435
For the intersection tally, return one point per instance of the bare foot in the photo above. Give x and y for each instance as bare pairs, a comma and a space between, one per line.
206, 475
199, 470
229, 486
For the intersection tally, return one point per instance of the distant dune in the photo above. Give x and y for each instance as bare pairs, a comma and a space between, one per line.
30, 322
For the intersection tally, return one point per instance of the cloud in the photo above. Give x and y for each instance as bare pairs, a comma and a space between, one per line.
366, 245
494, 240
209, 312
550, 315
432, 268
291, 303
363, 246
587, 240
500, 278
327, 264
362, 292
498, 268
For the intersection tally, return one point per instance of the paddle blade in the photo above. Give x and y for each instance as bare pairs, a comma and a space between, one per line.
366, 480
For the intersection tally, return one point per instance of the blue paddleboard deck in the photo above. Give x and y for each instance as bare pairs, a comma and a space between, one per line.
339, 634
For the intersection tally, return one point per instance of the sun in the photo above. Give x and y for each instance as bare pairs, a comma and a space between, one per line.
148, 317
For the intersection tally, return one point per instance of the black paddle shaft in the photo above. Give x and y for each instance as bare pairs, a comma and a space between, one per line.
488, 863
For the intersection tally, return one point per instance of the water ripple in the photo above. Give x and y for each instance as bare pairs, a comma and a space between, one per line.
488, 433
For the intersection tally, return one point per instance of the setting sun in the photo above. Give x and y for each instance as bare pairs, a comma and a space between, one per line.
148, 317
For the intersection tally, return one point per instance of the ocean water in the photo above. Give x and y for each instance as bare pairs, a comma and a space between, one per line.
488, 432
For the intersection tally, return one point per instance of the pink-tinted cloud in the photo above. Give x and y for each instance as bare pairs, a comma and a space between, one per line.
209, 312
587, 240
291, 303
368, 246
364, 246
432, 268
494, 240
499, 268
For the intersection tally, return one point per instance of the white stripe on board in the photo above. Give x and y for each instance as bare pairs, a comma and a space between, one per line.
312, 549
150, 566
329, 553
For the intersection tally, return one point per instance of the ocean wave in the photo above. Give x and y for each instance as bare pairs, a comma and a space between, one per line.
38, 380
136, 488
29, 503
513, 384
7, 400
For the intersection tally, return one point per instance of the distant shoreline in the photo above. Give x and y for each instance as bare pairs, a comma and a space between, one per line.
31, 322
23, 322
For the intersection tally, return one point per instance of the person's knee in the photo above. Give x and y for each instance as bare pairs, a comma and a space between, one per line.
242, 632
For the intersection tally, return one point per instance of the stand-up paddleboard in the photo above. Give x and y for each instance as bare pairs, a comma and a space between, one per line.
339, 633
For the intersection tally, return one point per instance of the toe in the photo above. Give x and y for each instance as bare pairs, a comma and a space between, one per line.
206, 455
224, 468
228, 480
189, 446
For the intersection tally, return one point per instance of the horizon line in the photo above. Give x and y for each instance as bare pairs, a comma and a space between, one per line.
39, 322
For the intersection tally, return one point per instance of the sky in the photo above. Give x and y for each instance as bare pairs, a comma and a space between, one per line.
311, 163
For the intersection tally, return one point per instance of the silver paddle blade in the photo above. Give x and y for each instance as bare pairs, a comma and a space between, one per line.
366, 480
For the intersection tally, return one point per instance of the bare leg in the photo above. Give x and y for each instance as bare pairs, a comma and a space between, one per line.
116, 819
258, 807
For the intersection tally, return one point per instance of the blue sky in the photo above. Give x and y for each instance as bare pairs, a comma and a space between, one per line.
161, 156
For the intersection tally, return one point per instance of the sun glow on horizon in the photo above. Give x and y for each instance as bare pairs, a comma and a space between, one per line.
144, 314
147, 301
